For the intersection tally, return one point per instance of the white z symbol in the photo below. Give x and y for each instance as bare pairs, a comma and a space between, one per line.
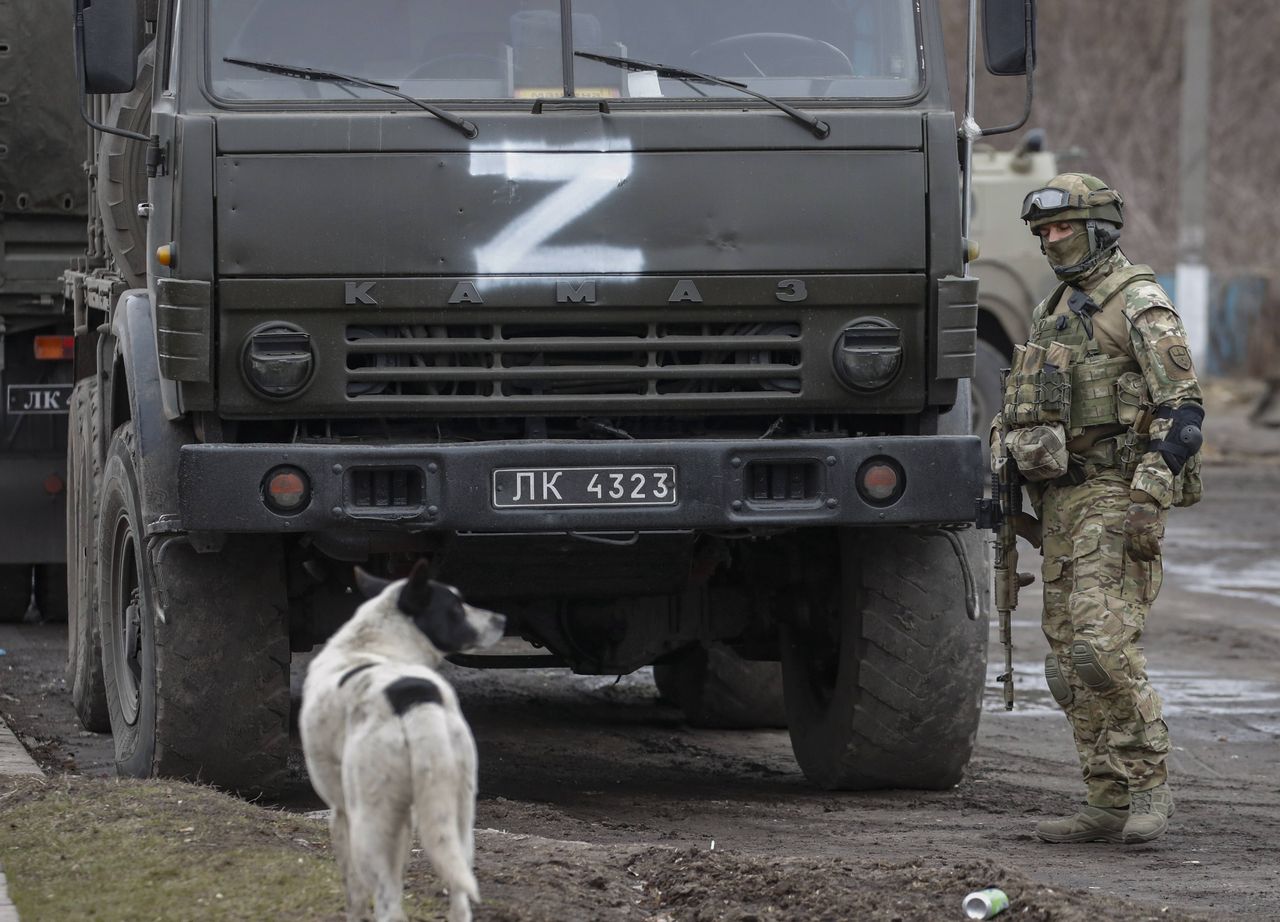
589, 178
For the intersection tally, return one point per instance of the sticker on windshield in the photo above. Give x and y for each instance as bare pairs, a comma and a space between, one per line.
556, 92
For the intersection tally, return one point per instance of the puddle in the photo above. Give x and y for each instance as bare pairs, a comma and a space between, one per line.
1205, 561
1258, 581
1240, 709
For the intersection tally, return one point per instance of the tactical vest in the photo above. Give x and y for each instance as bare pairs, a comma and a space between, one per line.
1095, 389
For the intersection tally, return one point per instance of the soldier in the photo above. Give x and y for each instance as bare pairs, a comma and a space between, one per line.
1107, 421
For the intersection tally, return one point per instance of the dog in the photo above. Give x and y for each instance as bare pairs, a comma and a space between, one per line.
385, 742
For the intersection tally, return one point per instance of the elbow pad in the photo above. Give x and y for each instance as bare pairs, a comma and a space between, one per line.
1184, 438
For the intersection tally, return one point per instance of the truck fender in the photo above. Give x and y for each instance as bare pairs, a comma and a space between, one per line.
135, 382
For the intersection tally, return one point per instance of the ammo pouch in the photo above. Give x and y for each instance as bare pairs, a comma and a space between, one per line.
1040, 397
1131, 398
1039, 451
1096, 391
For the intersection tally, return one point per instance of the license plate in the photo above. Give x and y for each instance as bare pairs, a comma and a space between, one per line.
38, 398
519, 488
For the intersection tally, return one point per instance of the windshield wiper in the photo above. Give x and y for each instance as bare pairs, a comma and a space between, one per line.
328, 76
819, 128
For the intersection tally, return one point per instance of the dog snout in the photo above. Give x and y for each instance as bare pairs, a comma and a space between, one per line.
497, 627
490, 626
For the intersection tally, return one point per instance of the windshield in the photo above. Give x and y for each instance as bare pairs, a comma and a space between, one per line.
511, 49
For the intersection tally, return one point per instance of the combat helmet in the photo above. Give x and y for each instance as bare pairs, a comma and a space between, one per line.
1078, 197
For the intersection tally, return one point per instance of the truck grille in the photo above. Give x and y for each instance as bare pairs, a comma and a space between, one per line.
782, 480
549, 361
386, 488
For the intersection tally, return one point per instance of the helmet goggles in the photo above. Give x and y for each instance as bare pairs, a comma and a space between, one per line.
1048, 200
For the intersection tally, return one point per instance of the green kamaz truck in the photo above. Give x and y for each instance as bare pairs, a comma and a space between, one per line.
647, 324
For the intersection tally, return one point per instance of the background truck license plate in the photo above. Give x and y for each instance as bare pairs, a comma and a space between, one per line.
38, 398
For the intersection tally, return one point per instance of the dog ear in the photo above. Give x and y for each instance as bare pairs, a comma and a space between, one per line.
415, 595
368, 584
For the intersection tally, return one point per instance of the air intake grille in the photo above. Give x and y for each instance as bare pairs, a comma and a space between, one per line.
385, 488
513, 361
782, 480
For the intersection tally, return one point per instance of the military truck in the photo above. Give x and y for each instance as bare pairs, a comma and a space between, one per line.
647, 324
42, 229
1012, 273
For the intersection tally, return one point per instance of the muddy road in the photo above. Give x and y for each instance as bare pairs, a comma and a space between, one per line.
582, 778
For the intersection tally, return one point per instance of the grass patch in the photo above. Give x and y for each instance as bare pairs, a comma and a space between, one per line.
80, 848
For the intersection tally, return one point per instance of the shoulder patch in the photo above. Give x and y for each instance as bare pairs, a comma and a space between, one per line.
409, 692
1180, 355
1175, 357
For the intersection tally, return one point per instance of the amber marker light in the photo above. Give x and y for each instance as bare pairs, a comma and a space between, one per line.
55, 348
164, 254
880, 481
286, 490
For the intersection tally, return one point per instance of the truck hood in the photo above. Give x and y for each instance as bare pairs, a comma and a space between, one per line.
594, 208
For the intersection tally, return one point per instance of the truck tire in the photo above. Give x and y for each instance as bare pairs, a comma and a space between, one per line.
122, 175
195, 646
717, 688
84, 643
987, 397
15, 592
884, 678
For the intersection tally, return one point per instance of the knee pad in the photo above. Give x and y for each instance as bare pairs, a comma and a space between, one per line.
1059, 687
1089, 667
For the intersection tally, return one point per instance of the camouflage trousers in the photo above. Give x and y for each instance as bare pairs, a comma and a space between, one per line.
1096, 601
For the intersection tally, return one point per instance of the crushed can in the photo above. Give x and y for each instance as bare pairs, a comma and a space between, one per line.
986, 904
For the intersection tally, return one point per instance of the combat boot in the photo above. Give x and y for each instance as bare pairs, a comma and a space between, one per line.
1149, 813
1092, 824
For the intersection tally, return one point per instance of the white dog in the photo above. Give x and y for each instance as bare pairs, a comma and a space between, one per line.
383, 737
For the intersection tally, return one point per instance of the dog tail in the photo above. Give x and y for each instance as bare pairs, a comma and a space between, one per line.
444, 797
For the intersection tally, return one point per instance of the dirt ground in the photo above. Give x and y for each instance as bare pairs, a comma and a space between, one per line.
600, 803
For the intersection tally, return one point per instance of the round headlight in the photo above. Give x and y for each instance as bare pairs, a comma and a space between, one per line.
868, 354
277, 360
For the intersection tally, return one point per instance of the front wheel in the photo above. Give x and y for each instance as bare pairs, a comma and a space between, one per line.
195, 646
884, 672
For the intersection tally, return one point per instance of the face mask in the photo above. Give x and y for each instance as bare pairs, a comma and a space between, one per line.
1067, 253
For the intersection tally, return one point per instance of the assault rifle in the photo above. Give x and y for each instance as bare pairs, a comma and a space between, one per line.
1003, 514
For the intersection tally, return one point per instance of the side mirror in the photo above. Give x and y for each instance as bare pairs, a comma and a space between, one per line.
1005, 26
108, 43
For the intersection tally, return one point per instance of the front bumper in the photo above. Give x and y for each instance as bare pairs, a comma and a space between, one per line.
221, 486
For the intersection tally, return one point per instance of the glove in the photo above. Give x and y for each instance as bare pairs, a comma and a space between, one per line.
1143, 529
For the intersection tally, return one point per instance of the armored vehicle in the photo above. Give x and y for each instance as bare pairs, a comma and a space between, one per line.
42, 229
1012, 273
648, 324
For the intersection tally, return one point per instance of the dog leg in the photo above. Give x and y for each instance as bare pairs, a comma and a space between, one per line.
467, 796
447, 849
340, 838
379, 841
459, 907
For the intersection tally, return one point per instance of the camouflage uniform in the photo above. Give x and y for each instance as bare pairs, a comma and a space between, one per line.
1096, 595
